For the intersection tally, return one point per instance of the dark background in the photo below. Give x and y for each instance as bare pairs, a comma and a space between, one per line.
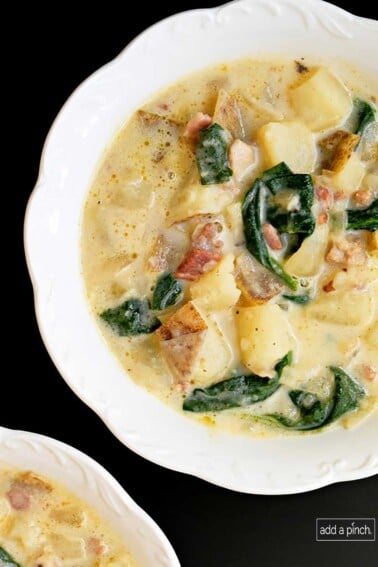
208, 526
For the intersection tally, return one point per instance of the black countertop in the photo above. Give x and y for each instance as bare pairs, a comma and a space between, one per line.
207, 525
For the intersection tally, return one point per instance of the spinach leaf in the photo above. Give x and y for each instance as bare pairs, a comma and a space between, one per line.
133, 317
252, 209
315, 413
299, 222
363, 219
299, 299
167, 292
312, 419
348, 392
211, 155
6, 560
364, 115
238, 391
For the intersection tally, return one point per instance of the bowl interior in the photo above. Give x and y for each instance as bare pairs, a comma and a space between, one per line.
91, 482
98, 108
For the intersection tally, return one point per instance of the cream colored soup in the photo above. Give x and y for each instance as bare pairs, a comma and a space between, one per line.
190, 292
42, 524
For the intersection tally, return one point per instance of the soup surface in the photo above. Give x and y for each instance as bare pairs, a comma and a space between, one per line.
42, 524
230, 245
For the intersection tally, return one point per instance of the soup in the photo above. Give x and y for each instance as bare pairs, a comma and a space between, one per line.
230, 246
42, 524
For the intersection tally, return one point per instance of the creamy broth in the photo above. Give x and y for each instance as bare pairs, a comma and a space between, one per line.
42, 524
148, 213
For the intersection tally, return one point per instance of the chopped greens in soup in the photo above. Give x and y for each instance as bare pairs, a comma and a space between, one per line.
230, 246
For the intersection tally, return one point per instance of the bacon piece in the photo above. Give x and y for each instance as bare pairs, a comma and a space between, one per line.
204, 254
96, 546
363, 197
197, 262
329, 287
369, 373
338, 196
19, 497
197, 123
323, 218
347, 252
205, 237
272, 237
324, 196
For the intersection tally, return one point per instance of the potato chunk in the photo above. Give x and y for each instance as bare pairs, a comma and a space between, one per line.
242, 159
372, 336
217, 290
291, 142
370, 181
308, 259
234, 222
321, 101
199, 200
351, 308
348, 179
193, 346
215, 357
264, 336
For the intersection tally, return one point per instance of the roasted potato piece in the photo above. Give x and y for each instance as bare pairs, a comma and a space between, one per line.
184, 321
373, 241
194, 348
339, 145
182, 354
227, 114
256, 283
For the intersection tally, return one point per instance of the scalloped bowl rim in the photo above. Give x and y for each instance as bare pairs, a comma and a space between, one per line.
89, 480
87, 122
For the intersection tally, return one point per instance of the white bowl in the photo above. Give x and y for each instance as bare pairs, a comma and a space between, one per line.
75, 143
90, 481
